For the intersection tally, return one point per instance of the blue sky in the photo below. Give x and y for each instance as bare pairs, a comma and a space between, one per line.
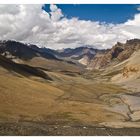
109, 13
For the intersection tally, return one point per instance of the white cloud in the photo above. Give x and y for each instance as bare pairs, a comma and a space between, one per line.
9, 9
29, 23
56, 13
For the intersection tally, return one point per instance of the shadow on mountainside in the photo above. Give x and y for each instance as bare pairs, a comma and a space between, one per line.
22, 69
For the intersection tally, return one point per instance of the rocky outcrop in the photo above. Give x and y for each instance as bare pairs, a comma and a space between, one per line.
127, 70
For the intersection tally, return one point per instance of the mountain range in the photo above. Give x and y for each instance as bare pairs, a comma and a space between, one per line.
85, 55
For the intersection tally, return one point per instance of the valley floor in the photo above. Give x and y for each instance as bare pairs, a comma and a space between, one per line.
70, 104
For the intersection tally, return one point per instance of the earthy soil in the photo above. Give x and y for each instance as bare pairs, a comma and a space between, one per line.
42, 129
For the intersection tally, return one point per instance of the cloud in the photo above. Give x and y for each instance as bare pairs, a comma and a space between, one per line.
56, 13
29, 23
138, 8
9, 9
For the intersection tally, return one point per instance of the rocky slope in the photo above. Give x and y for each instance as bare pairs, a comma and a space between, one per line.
116, 54
130, 72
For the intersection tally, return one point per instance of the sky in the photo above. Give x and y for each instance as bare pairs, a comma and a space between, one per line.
69, 26
109, 13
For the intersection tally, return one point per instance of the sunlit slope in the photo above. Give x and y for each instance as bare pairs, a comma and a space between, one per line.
21, 96
74, 99
130, 72
64, 99
52, 65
